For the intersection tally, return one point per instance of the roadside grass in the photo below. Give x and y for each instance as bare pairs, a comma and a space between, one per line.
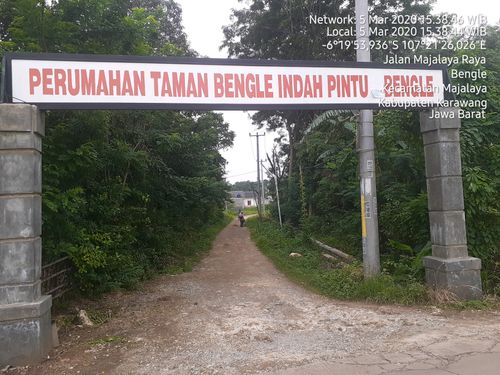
315, 273
107, 340
247, 211
489, 302
99, 317
195, 245
345, 281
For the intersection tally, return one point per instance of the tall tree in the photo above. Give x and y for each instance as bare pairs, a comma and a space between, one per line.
124, 192
286, 29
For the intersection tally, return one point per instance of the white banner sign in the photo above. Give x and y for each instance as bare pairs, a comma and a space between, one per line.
114, 82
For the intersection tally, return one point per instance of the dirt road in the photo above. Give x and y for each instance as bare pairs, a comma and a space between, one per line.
236, 314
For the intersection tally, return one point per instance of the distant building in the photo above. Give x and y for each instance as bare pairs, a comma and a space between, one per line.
243, 199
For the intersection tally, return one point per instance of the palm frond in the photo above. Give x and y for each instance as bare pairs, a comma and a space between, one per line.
336, 116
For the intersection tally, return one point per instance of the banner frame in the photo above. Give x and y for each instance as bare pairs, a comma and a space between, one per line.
6, 84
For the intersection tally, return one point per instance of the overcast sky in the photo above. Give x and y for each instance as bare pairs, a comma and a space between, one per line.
203, 22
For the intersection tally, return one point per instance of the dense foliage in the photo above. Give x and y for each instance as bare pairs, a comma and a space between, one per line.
317, 160
124, 193
244, 186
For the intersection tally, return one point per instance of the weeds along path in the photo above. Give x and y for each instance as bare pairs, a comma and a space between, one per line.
236, 314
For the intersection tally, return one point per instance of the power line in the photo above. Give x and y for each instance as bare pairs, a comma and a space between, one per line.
251, 147
241, 174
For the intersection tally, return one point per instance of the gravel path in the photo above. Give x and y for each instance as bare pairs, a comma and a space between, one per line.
236, 314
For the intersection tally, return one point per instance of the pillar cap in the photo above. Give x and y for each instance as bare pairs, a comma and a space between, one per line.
442, 118
21, 118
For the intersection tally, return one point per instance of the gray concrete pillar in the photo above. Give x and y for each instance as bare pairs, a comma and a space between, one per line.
25, 323
449, 267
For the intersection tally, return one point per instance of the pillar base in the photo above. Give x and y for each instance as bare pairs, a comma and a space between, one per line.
25, 332
461, 276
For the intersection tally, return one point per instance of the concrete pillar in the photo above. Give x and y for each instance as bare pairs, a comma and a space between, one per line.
25, 323
449, 267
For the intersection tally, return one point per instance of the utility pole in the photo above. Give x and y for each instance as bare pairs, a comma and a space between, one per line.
278, 199
259, 201
262, 188
277, 194
366, 150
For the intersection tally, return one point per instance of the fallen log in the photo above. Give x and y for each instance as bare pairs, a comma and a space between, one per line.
329, 257
340, 254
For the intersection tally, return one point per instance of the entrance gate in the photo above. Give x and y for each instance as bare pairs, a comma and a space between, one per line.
114, 82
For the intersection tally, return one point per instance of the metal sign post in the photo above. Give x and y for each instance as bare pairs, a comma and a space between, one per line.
366, 150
